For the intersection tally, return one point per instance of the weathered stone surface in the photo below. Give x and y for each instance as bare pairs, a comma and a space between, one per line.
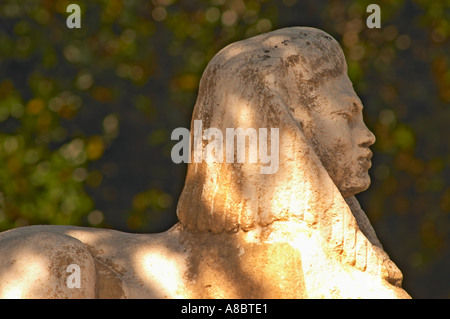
297, 233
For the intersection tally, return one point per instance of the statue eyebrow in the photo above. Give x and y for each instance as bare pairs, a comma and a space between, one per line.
355, 108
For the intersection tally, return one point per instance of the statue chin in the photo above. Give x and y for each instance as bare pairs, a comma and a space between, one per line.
355, 186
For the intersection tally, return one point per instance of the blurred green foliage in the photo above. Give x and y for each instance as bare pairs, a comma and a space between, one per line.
86, 114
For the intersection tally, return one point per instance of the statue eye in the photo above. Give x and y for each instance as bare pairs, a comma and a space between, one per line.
346, 116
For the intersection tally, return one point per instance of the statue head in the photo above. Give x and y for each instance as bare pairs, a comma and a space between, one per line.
294, 79
335, 128
326, 106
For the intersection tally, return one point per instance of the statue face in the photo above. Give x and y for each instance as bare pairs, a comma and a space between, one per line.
340, 137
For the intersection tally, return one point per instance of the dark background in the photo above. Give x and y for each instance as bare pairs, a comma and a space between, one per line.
86, 114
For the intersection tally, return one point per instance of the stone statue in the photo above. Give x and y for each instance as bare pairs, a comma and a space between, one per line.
296, 233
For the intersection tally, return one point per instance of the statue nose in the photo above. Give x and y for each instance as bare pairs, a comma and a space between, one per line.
368, 137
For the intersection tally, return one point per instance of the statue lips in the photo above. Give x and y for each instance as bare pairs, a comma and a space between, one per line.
365, 160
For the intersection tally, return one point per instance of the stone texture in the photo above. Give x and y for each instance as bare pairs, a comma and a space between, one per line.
297, 233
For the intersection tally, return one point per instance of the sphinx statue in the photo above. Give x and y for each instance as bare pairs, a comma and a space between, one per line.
297, 232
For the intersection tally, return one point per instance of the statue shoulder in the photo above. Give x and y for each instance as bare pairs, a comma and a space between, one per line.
43, 262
